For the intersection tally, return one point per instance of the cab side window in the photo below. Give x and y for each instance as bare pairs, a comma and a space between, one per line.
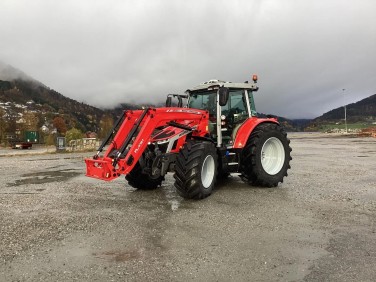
236, 109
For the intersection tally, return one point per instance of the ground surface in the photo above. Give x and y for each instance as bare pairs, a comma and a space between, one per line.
319, 225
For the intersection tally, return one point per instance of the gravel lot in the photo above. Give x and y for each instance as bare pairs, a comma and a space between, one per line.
319, 225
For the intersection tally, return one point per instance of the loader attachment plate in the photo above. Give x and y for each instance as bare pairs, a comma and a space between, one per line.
100, 169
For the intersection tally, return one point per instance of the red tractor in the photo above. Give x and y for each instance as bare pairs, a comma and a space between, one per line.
216, 132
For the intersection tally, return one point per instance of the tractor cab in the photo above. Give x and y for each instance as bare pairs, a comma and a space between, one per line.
229, 106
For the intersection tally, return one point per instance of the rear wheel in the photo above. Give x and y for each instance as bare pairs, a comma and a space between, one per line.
196, 169
266, 157
143, 181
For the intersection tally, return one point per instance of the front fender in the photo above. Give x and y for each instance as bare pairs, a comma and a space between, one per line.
246, 129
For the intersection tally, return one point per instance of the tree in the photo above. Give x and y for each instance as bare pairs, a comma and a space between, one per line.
50, 139
41, 120
60, 125
73, 134
3, 126
31, 121
105, 124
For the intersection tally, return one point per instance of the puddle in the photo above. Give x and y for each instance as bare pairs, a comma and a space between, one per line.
172, 197
56, 158
174, 205
46, 159
44, 177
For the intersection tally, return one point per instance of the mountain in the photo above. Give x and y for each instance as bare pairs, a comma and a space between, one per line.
363, 111
9, 73
20, 91
118, 110
290, 125
359, 111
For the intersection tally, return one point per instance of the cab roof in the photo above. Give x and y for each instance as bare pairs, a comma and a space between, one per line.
214, 83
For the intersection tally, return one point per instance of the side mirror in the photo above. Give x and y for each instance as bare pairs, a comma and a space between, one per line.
180, 102
223, 95
168, 101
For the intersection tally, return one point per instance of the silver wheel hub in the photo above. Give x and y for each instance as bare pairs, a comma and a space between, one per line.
272, 156
207, 171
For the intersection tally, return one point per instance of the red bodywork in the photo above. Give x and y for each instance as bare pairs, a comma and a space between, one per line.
103, 167
246, 129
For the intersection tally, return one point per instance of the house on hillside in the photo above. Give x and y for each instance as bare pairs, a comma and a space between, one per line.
44, 129
21, 120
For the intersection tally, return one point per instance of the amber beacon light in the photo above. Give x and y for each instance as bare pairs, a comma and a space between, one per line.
254, 78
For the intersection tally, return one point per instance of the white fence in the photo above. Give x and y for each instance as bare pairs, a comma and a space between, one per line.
83, 144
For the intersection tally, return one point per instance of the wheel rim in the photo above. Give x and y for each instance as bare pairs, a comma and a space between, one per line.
207, 171
272, 156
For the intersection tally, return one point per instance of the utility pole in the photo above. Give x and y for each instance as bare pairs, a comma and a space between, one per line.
344, 99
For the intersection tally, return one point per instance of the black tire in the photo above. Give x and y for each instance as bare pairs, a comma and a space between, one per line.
193, 159
143, 181
255, 166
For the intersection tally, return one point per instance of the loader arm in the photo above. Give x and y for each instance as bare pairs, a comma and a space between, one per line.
134, 133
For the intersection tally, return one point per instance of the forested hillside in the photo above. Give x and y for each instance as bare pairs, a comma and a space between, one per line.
359, 111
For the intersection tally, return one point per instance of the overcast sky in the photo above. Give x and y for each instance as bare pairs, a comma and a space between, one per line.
107, 52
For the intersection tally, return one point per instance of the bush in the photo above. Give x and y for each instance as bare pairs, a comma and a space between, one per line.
50, 139
73, 134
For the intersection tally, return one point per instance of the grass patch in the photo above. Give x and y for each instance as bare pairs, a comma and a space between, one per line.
342, 126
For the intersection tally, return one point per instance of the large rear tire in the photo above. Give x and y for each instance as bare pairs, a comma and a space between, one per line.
196, 169
143, 181
266, 157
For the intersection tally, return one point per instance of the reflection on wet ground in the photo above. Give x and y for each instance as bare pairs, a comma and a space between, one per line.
172, 197
45, 177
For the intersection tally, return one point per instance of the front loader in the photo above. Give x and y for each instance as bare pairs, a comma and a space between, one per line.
215, 133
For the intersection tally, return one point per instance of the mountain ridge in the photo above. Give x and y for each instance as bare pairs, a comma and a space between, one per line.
363, 111
20, 89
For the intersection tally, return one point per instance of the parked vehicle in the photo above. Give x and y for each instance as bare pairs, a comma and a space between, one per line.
26, 142
214, 133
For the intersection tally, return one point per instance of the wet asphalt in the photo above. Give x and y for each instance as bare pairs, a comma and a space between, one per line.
319, 225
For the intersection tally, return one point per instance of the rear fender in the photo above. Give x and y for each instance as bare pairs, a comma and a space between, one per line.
246, 129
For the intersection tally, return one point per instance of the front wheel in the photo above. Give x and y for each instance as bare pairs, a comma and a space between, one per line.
196, 169
266, 157
143, 181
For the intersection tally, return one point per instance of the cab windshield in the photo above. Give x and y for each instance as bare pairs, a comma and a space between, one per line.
235, 110
204, 101
233, 114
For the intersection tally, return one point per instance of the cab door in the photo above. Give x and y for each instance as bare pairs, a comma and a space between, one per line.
233, 114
